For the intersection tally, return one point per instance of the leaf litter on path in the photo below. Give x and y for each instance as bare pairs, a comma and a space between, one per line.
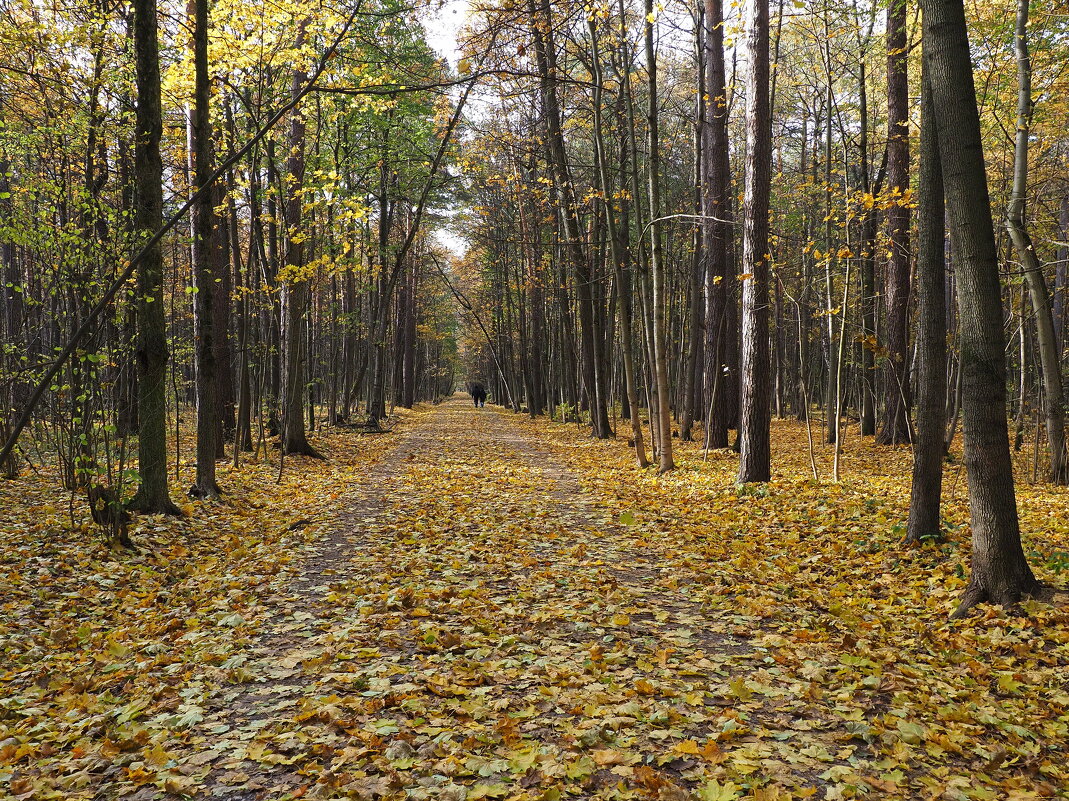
501, 608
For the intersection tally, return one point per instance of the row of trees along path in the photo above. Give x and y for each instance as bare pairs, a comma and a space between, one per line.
376, 332
224, 232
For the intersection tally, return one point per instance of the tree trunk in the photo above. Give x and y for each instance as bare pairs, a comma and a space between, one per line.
894, 429
1050, 363
692, 367
720, 325
226, 394
615, 251
408, 359
295, 284
152, 496
928, 448
754, 412
831, 386
659, 298
206, 257
867, 258
545, 57
1000, 572
1060, 275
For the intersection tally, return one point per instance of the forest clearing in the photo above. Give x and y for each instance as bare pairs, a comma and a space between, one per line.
416, 400
497, 608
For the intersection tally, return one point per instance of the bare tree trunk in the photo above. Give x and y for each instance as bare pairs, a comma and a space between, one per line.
1060, 274
754, 412
623, 297
692, 366
928, 444
659, 299
869, 227
720, 326
152, 355
10, 332
206, 257
226, 394
295, 286
545, 57
831, 386
408, 360
894, 429
1000, 572
1050, 363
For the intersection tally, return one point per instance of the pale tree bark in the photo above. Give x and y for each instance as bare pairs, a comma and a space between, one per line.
931, 335
206, 261
754, 410
1000, 572
894, 429
831, 386
665, 461
152, 355
1047, 340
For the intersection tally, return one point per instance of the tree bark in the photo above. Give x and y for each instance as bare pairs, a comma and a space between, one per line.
895, 429
659, 300
1060, 275
693, 358
206, 261
928, 447
754, 411
616, 254
1000, 572
295, 286
869, 227
545, 58
152, 496
1047, 339
720, 325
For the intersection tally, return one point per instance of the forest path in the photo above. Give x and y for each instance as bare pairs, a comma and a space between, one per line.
474, 627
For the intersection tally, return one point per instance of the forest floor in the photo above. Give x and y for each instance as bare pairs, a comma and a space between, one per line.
477, 605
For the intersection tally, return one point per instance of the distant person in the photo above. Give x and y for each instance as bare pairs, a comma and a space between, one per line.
478, 393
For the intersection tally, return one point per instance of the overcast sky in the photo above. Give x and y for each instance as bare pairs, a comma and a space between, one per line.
443, 25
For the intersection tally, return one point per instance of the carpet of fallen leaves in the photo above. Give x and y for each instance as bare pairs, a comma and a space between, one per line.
483, 606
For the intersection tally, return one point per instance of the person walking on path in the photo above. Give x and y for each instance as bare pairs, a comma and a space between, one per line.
478, 393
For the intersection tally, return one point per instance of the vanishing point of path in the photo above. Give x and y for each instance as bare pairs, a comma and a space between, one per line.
474, 627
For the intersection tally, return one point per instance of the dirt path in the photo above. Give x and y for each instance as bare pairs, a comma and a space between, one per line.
474, 627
